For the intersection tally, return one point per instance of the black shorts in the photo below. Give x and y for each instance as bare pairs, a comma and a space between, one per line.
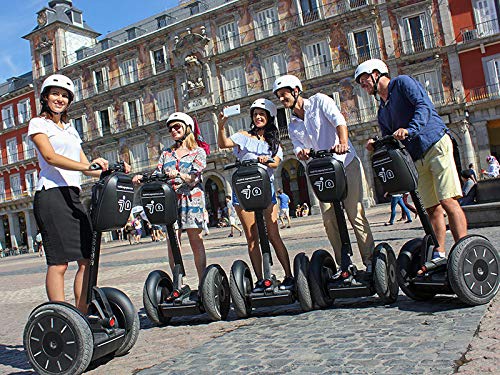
65, 226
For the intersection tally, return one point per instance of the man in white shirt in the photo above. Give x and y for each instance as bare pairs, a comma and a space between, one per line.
316, 123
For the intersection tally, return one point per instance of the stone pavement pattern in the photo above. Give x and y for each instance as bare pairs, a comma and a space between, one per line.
354, 336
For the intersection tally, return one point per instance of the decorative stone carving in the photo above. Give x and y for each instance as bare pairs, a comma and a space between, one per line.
194, 74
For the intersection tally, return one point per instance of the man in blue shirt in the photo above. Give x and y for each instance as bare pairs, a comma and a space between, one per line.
284, 208
407, 113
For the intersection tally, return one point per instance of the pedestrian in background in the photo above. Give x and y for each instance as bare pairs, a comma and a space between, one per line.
284, 208
231, 214
397, 200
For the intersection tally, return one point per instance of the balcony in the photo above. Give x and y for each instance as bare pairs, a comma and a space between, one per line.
419, 44
481, 30
484, 93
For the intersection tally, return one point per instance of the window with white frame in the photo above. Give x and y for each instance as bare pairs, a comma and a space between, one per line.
318, 59
46, 60
266, 23
8, 116
274, 67
80, 126
28, 147
491, 66
432, 84
100, 80
104, 121
139, 159
363, 46
164, 103
133, 113
367, 106
111, 156
159, 60
128, 71
233, 81
2, 189
228, 37
309, 10
485, 14
30, 179
417, 33
78, 89
23, 111
15, 185
12, 156
209, 134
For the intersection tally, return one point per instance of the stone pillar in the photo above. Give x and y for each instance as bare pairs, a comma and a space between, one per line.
29, 230
2, 234
468, 150
386, 31
14, 227
483, 143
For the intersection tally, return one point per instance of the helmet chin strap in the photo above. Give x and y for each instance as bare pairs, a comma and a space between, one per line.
375, 86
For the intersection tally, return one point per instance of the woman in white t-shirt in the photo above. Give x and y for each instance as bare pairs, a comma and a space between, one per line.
62, 219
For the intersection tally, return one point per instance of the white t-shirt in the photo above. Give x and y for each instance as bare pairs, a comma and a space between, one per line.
318, 130
65, 142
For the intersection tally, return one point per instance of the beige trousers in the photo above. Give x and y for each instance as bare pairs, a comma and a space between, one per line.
355, 213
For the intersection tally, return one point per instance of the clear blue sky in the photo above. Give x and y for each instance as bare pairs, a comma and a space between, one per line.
18, 18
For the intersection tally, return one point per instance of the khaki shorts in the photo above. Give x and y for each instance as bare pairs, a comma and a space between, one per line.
437, 174
232, 220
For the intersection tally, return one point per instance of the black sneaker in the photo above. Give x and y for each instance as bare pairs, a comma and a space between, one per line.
259, 287
288, 283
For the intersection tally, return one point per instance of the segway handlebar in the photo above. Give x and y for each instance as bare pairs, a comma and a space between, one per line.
154, 177
386, 140
116, 167
238, 163
316, 154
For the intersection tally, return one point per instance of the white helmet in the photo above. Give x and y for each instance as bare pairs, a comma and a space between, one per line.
369, 66
182, 117
287, 81
59, 80
266, 105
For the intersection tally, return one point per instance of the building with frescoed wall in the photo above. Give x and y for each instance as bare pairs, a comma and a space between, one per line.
18, 163
203, 55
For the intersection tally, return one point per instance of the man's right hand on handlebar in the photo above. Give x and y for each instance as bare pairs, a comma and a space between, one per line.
303, 154
370, 144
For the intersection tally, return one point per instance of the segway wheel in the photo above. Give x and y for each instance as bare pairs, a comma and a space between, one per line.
126, 318
321, 269
58, 340
215, 293
473, 268
408, 263
301, 270
157, 288
241, 285
384, 277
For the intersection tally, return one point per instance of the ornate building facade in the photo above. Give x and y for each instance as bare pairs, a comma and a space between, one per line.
203, 55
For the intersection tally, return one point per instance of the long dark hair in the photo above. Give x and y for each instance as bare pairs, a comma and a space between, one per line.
46, 112
271, 134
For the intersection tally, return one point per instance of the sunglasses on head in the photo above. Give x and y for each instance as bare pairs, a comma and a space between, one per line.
175, 126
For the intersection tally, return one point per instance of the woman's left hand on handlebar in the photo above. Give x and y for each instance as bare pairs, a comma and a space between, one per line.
263, 159
137, 179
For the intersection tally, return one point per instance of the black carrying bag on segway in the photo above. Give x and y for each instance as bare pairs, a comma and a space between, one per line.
327, 176
394, 167
159, 201
112, 198
250, 181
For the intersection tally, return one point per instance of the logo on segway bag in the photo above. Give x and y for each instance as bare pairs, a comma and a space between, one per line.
152, 207
249, 191
124, 204
327, 184
385, 175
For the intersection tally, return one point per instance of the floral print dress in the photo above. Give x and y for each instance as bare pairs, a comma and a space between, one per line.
190, 196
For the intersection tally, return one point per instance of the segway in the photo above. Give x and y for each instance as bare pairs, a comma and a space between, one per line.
163, 297
328, 180
58, 338
252, 185
472, 267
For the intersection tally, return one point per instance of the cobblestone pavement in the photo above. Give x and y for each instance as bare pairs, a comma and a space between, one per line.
355, 336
